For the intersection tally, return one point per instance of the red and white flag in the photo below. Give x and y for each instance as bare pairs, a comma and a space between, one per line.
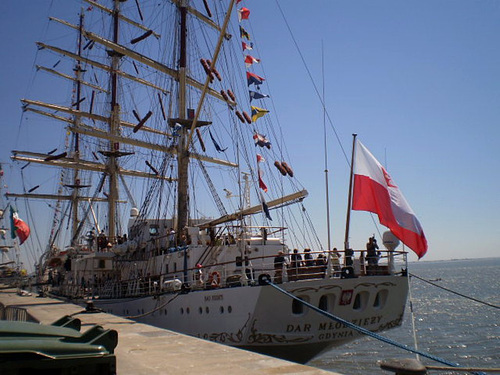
262, 185
245, 46
243, 14
249, 60
376, 192
18, 227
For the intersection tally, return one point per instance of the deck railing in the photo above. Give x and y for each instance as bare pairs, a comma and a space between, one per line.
251, 271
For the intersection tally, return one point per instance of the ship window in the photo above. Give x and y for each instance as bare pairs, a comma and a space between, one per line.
182, 310
298, 307
360, 301
381, 299
229, 309
200, 310
153, 230
207, 310
187, 310
102, 263
222, 309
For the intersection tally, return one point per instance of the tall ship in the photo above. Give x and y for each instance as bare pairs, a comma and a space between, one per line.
177, 202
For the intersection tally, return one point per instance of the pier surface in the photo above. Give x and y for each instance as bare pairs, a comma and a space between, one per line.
144, 349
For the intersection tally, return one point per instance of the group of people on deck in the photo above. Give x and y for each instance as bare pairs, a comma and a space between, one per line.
308, 266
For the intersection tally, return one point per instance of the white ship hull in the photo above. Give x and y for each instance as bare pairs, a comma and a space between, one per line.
262, 319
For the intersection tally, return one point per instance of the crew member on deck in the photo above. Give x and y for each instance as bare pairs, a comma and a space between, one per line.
371, 251
102, 241
309, 260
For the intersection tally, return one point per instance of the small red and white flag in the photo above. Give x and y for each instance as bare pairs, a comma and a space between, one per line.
262, 185
249, 60
376, 192
18, 227
243, 14
246, 46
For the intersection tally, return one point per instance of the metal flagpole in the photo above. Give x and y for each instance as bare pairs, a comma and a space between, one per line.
349, 202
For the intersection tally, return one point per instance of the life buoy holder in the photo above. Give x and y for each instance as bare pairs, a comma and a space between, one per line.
215, 279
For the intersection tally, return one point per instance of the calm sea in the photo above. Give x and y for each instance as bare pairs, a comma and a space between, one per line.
448, 326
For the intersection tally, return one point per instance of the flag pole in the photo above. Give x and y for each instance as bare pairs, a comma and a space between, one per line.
349, 199
328, 230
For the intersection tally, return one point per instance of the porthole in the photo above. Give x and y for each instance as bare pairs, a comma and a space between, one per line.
323, 303
327, 302
207, 310
200, 310
381, 299
298, 307
229, 309
182, 310
360, 301
222, 309
187, 310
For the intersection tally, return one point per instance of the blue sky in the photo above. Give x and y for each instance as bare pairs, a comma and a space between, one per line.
418, 81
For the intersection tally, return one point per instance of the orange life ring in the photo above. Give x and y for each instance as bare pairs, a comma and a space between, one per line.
215, 279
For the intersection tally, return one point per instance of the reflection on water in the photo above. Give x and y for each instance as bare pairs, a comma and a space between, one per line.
448, 326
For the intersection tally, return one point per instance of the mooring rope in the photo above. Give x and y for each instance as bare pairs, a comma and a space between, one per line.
362, 330
457, 293
154, 310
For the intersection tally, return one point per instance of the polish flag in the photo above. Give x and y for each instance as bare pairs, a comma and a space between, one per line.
376, 192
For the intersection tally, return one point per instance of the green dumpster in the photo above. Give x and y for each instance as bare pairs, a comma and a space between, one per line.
57, 349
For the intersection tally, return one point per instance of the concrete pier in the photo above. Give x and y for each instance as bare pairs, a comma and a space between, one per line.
144, 349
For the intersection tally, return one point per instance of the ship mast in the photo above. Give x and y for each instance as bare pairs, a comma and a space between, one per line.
183, 150
114, 126
76, 122
183, 153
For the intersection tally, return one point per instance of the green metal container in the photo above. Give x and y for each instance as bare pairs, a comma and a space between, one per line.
60, 348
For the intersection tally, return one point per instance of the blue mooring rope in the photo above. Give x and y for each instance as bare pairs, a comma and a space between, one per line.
365, 331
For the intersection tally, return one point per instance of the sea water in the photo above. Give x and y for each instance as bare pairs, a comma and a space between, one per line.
448, 326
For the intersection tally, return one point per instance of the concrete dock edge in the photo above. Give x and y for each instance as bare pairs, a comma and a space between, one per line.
144, 349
